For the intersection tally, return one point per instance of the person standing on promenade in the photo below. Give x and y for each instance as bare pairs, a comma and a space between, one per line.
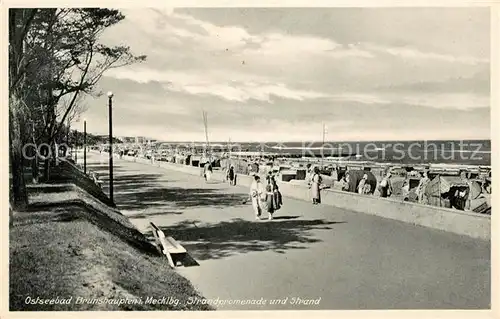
315, 186
257, 193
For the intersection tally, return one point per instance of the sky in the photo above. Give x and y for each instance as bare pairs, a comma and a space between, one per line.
279, 74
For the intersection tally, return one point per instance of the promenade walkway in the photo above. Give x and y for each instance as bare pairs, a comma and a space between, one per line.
350, 260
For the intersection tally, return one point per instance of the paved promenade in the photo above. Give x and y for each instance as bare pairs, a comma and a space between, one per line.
349, 260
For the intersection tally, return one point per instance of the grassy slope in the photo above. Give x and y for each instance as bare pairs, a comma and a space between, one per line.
66, 247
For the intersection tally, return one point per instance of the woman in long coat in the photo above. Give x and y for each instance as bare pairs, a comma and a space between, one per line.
316, 181
257, 194
208, 171
273, 197
231, 176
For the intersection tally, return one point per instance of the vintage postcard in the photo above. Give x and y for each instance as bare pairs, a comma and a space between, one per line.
166, 157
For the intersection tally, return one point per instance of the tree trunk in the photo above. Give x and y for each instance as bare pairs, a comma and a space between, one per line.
35, 169
34, 162
49, 141
46, 170
19, 191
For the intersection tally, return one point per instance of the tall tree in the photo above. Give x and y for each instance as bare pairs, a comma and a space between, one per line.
56, 58
20, 22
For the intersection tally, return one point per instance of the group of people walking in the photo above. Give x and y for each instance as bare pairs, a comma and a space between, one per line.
230, 173
265, 197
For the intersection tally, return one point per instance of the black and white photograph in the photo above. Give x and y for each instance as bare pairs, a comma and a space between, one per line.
188, 158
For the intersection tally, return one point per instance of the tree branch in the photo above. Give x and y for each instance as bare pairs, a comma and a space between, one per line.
82, 78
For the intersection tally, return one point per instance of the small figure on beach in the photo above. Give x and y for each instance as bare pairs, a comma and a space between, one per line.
385, 186
315, 186
486, 185
257, 194
255, 166
363, 187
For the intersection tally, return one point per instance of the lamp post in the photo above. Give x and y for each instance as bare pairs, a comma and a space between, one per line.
68, 131
110, 106
84, 146
76, 146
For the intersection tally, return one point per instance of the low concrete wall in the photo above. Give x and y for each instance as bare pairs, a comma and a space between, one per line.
459, 222
450, 220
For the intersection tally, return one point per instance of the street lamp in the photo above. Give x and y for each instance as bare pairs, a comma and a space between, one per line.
76, 146
68, 132
110, 106
84, 146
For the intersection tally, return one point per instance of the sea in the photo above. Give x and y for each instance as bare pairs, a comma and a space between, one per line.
463, 152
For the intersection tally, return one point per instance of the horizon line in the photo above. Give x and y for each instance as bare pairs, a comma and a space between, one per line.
296, 141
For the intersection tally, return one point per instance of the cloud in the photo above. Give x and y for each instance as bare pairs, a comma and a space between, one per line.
415, 54
284, 74
284, 47
245, 89
243, 92
455, 101
360, 98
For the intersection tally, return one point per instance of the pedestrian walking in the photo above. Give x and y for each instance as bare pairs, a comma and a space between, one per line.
315, 186
208, 172
231, 176
273, 197
257, 194
225, 174
269, 202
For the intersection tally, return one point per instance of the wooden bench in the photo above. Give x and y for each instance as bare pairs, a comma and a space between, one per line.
168, 246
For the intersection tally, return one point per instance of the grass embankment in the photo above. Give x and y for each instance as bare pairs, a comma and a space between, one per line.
69, 245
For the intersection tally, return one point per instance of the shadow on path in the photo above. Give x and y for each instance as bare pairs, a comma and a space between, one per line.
238, 236
151, 191
177, 198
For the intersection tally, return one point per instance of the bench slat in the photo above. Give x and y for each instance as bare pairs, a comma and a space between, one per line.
174, 247
169, 245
